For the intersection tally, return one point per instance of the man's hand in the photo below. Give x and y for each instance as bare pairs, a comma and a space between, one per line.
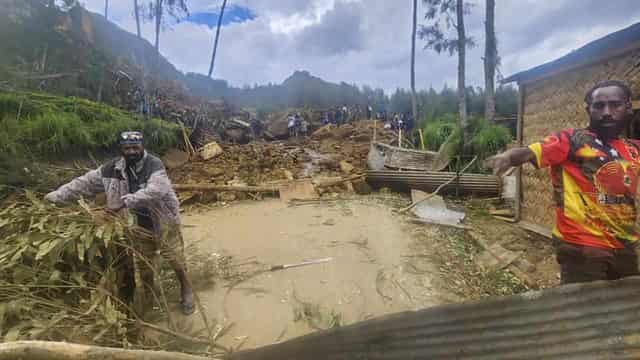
128, 200
499, 163
514, 157
51, 197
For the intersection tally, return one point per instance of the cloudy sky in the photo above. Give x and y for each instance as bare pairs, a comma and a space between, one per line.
368, 41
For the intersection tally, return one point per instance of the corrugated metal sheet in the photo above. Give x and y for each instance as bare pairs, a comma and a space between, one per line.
584, 321
431, 180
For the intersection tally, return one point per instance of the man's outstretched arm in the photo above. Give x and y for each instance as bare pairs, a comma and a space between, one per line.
514, 157
87, 185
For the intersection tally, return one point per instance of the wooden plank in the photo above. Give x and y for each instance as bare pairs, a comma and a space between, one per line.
526, 279
214, 187
298, 190
540, 230
504, 218
502, 212
497, 257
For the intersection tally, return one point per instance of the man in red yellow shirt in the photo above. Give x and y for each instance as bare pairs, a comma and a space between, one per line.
594, 174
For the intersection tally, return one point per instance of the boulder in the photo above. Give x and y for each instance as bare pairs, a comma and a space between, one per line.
210, 151
277, 127
175, 158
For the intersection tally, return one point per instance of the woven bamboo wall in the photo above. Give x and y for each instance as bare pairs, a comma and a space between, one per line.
556, 103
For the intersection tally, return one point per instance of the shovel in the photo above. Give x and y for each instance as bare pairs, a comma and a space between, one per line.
305, 263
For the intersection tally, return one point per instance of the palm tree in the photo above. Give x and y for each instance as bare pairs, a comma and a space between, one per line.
215, 44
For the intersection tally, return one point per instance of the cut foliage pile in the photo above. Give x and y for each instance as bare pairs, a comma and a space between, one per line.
57, 273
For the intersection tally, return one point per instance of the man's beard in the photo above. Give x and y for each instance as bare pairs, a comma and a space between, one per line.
608, 132
132, 159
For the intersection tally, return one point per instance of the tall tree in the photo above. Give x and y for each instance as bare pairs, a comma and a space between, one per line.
157, 9
158, 22
215, 43
51, 19
452, 13
106, 9
490, 61
136, 11
414, 106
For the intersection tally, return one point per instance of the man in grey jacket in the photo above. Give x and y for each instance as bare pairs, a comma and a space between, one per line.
138, 182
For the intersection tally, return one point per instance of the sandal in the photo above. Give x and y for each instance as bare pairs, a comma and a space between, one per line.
187, 307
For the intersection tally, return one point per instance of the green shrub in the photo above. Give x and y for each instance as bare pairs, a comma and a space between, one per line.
487, 138
51, 126
437, 132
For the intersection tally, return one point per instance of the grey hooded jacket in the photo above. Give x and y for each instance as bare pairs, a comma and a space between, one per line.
155, 196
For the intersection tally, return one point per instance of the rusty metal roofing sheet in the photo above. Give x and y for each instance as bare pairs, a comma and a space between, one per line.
583, 321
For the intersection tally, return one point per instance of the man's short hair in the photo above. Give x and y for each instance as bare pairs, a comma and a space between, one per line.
617, 83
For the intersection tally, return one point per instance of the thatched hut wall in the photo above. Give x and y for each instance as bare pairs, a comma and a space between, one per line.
554, 103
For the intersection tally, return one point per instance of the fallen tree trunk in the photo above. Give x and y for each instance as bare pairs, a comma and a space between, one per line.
50, 350
214, 187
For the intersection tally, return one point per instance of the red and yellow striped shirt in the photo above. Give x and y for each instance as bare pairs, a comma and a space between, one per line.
594, 187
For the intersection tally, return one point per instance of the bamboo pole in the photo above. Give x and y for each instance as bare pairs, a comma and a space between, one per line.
51, 350
263, 188
375, 129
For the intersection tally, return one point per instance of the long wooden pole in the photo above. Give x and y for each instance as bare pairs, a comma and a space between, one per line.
51, 350
263, 188
375, 129
213, 187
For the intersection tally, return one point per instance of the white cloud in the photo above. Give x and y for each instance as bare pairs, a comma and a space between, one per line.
289, 35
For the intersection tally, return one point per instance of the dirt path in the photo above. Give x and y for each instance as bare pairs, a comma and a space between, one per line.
366, 277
